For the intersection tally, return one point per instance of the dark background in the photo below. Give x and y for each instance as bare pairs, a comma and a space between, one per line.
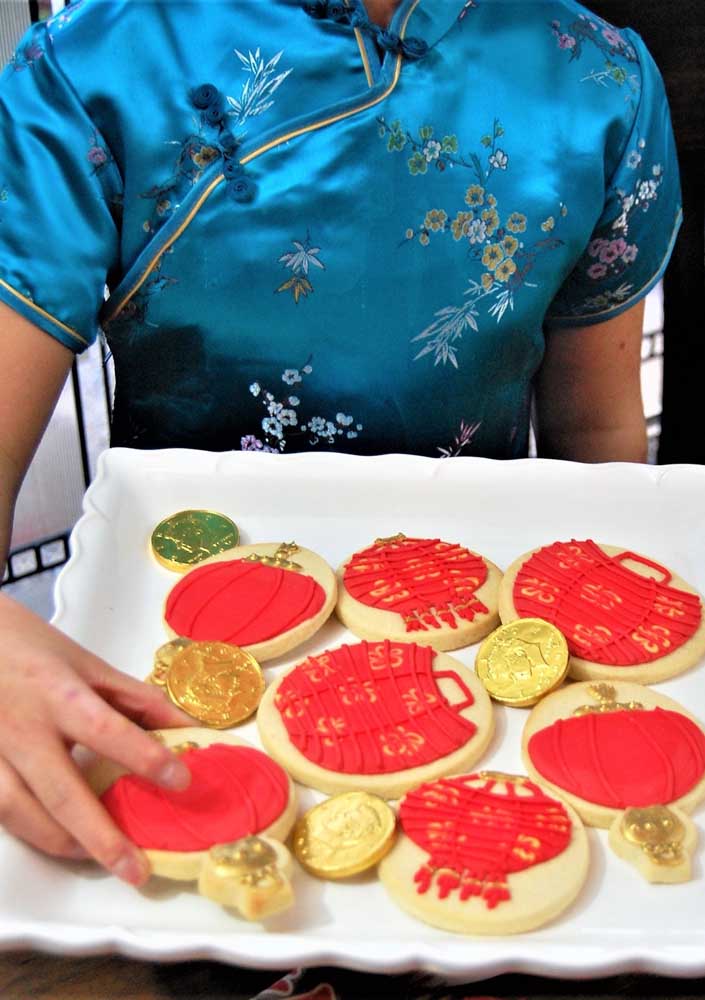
675, 36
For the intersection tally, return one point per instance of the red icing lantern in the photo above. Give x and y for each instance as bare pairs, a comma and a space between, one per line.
372, 708
235, 791
479, 828
241, 602
608, 613
428, 582
622, 758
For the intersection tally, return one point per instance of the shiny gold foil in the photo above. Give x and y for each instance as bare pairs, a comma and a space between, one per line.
657, 831
163, 659
218, 684
187, 538
344, 835
605, 696
522, 661
280, 558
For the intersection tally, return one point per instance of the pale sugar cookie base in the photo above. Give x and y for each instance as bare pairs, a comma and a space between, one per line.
373, 623
313, 565
561, 705
275, 739
588, 670
538, 894
185, 866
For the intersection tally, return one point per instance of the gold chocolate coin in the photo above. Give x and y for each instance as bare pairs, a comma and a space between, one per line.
185, 539
163, 660
218, 684
344, 835
522, 661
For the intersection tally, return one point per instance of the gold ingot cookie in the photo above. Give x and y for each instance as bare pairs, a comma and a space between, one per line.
658, 840
218, 684
250, 875
344, 835
185, 539
522, 661
163, 658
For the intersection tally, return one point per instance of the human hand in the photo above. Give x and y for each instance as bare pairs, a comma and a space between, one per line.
56, 694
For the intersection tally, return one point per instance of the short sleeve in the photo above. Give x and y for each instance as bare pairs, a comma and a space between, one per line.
632, 241
60, 190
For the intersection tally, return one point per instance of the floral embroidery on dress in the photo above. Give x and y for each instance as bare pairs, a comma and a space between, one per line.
303, 257
64, 17
27, 56
257, 91
462, 440
283, 423
610, 252
491, 240
467, 7
585, 32
98, 156
136, 308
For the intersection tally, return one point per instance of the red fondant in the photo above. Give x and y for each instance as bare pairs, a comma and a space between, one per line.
234, 792
607, 612
430, 583
372, 708
478, 830
241, 602
624, 758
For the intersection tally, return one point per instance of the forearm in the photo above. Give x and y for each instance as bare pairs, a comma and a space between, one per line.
10, 480
623, 442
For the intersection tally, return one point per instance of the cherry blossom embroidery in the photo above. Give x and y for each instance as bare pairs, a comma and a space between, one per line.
587, 32
283, 423
303, 257
26, 57
462, 440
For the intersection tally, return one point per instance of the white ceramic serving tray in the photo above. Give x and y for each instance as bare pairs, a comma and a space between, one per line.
109, 597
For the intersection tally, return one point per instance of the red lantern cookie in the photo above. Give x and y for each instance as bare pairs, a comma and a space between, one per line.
624, 617
424, 590
608, 747
485, 853
376, 716
265, 598
236, 791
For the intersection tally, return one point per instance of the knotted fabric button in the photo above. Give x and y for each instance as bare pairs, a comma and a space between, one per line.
232, 169
414, 48
204, 96
214, 114
316, 8
338, 11
241, 188
388, 40
229, 143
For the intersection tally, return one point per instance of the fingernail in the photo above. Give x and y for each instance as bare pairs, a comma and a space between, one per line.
175, 775
131, 869
77, 853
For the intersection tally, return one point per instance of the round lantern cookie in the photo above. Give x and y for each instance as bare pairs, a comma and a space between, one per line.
236, 791
485, 853
432, 592
265, 598
377, 717
624, 617
606, 747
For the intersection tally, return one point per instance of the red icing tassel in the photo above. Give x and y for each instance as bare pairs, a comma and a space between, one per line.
241, 602
623, 758
607, 612
372, 708
234, 792
478, 829
427, 581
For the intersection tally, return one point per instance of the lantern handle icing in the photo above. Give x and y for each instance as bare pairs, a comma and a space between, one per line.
457, 706
633, 557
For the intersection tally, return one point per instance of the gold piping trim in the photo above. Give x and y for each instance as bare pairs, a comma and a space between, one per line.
258, 152
172, 239
44, 313
363, 55
638, 293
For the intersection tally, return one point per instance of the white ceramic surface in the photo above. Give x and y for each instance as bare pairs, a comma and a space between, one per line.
109, 597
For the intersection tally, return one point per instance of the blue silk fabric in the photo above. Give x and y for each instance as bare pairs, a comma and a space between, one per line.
298, 231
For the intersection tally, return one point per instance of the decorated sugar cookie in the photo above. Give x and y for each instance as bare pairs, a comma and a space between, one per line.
236, 791
485, 853
606, 747
624, 617
658, 840
424, 590
265, 598
378, 717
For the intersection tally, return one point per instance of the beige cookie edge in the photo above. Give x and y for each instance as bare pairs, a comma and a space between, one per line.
656, 874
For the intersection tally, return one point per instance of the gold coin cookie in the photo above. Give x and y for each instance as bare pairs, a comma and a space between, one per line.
163, 659
521, 662
344, 835
187, 538
218, 684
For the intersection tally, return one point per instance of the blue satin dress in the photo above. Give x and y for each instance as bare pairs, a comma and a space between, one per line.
300, 231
